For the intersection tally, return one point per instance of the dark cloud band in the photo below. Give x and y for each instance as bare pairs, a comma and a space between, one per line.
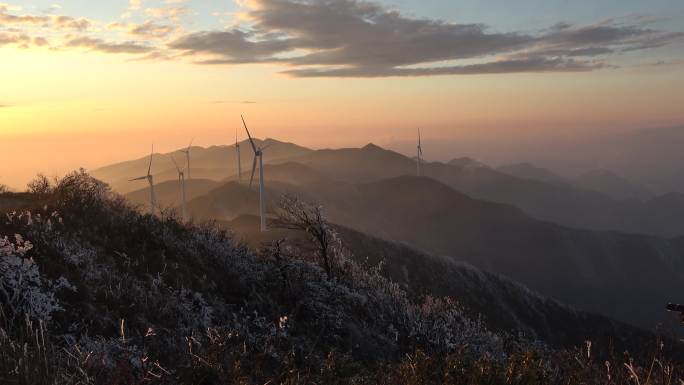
350, 38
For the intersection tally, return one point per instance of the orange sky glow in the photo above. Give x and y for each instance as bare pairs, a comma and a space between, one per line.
62, 109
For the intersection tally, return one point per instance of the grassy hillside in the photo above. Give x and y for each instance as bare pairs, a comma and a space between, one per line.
503, 305
94, 292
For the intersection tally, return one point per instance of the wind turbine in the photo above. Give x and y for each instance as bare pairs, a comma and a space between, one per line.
419, 158
150, 180
187, 156
181, 180
237, 150
258, 154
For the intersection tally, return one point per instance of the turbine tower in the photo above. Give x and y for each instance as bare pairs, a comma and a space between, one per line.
258, 154
150, 180
181, 180
239, 159
419, 158
187, 156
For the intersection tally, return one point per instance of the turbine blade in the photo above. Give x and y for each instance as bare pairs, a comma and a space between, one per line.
190, 145
263, 148
149, 168
141, 178
176, 164
251, 179
248, 134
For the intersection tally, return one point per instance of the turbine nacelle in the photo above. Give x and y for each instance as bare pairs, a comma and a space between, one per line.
181, 180
187, 156
419, 156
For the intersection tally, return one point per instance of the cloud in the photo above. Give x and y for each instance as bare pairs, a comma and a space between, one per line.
352, 38
234, 46
25, 31
51, 21
130, 47
344, 38
170, 13
13, 38
134, 4
70, 22
151, 29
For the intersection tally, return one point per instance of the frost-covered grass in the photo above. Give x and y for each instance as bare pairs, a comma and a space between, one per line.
92, 291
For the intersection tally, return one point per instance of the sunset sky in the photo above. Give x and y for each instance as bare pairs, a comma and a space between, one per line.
85, 83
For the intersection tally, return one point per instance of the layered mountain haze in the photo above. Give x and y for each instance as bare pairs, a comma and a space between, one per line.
530, 171
650, 157
168, 194
647, 157
619, 275
567, 204
467, 162
613, 185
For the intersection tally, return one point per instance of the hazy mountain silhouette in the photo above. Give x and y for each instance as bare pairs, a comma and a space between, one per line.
603, 181
467, 162
650, 157
563, 204
215, 162
613, 185
530, 171
168, 193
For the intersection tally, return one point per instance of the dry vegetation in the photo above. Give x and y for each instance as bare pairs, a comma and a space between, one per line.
93, 292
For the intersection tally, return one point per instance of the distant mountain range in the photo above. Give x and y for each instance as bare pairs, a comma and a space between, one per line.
564, 204
602, 181
650, 157
215, 163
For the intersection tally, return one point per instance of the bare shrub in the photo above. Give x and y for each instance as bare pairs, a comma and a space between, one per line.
294, 214
40, 186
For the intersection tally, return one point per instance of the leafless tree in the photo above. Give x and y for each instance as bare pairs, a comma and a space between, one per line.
294, 214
